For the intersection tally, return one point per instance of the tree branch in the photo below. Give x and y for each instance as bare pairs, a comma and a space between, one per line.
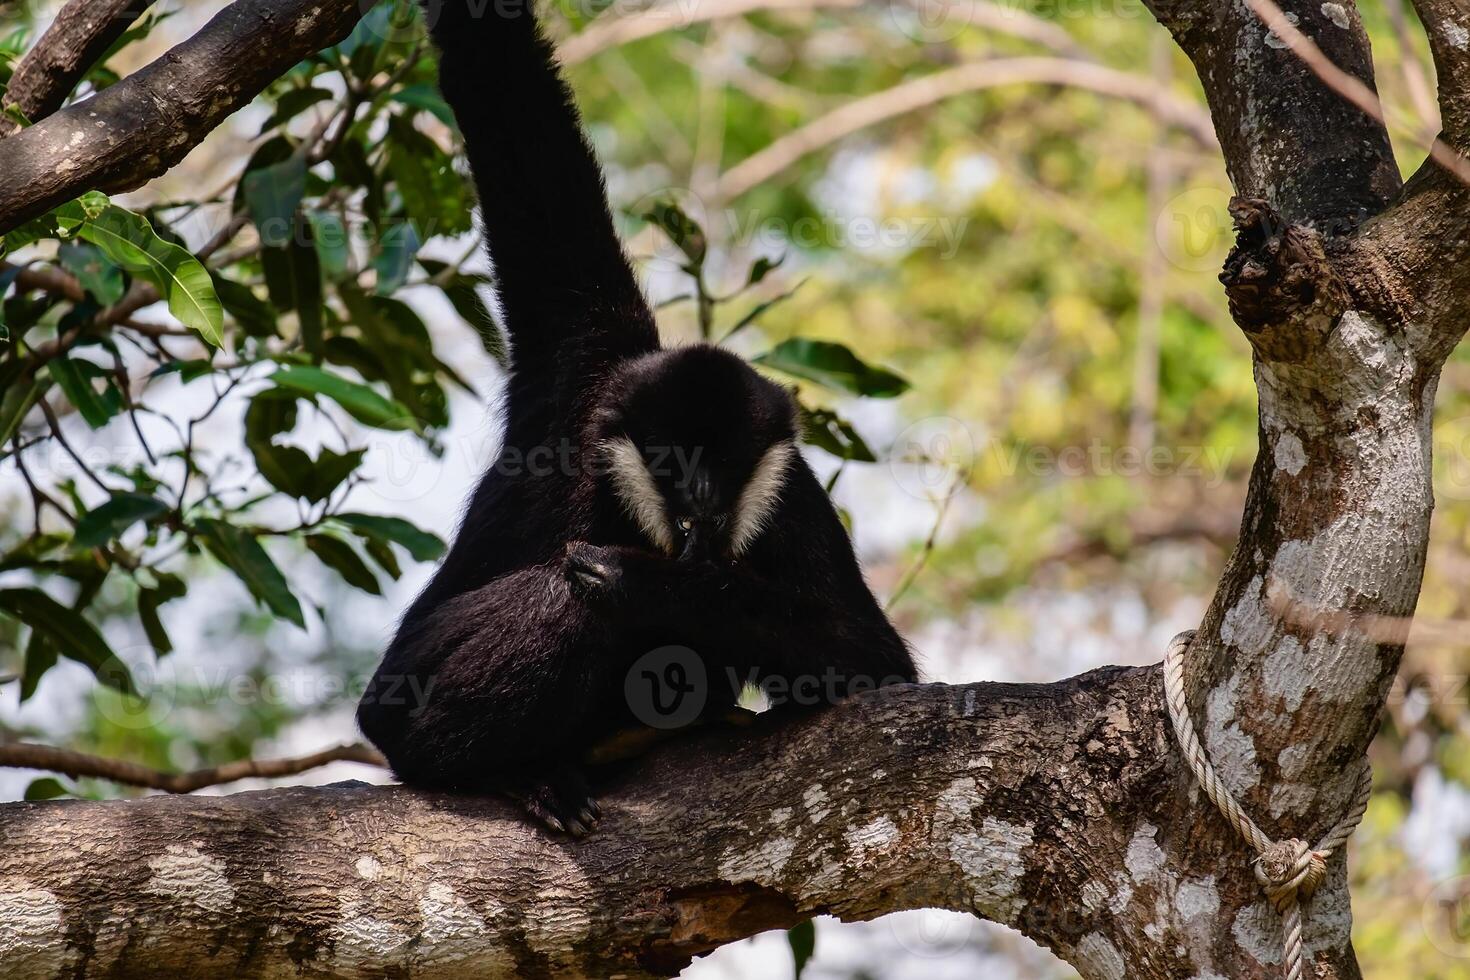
81, 33
1448, 25
1345, 85
909, 96
27, 755
1046, 807
614, 30
137, 129
1288, 137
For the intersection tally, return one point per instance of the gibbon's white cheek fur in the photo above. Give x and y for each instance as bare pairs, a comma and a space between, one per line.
759, 498
635, 488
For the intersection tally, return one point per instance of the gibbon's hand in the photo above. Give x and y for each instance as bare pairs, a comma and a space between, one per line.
636, 583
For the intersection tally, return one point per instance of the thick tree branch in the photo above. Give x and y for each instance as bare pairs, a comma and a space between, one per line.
1345, 85
81, 33
27, 755
1288, 136
1048, 807
135, 130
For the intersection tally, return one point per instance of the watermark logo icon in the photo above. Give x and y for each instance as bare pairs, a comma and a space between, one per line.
667, 688
1194, 229
1446, 916
931, 21
933, 458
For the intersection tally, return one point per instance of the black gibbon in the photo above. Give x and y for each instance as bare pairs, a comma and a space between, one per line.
643, 498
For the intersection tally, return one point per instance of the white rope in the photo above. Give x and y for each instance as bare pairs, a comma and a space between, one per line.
1288, 870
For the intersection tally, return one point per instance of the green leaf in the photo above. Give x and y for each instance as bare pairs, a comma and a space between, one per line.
158, 638
339, 556
270, 413
169, 587
239, 551
285, 467
803, 940
293, 276
73, 214
272, 195
40, 657
328, 471
382, 553
292, 104
333, 245
97, 275
70, 632
288, 468
828, 430
187, 371
359, 401
252, 313
16, 402
110, 520
427, 98
131, 243
45, 788
73, 377
28, 234
682, 230
409, 166
460, 289
400, 352
395, 257
832, 366
422, 545
762, 267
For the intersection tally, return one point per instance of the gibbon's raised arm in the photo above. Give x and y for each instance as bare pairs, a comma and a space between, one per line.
567, 293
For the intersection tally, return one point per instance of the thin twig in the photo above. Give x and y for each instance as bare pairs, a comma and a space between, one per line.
1411, 68
899, 100
927, 551
613, 30
28, 755
55, 424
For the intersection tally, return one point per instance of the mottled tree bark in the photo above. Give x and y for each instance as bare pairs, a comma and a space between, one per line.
137, 129
81, 34
1062, 810
1047, 807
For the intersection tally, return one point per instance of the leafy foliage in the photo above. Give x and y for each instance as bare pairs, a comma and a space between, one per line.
287, 303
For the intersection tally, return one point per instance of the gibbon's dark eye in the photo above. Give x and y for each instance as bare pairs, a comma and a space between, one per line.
685, 524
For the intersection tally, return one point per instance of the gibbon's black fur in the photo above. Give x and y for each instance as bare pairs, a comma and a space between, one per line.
643, 497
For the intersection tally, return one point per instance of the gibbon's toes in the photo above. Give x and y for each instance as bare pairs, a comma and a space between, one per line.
562, 804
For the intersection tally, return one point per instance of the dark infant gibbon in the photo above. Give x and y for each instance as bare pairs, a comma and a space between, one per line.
643, 498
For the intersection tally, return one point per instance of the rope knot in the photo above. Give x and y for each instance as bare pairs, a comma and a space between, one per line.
1287, 869
1290, 868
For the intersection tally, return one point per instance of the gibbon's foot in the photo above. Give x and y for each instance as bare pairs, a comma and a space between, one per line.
560, 801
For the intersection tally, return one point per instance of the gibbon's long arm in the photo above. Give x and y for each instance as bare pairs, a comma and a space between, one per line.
568, 295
